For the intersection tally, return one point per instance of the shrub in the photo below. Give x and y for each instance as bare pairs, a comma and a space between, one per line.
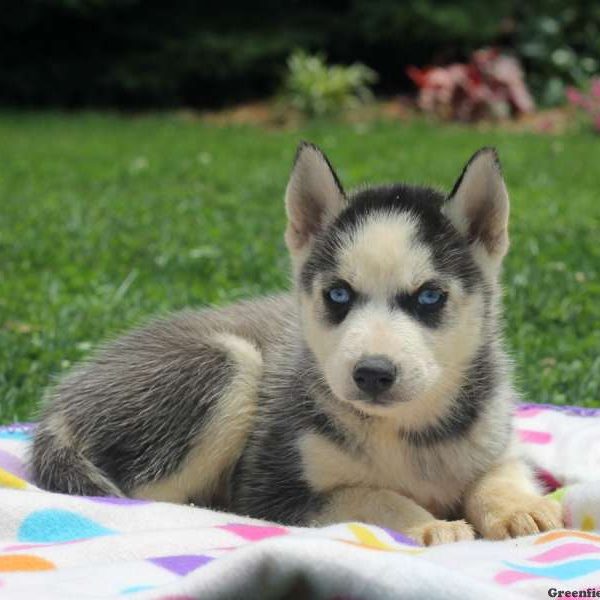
490, 85
148, 52
559, 43
588, 102
317, 89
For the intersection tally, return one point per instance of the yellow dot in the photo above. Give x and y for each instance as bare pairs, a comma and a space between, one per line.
588, 523
367, 538
9, 480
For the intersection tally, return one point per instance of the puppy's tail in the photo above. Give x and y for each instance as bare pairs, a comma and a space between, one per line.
59, 467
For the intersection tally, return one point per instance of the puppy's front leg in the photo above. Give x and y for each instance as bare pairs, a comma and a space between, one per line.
505, 503
387, 508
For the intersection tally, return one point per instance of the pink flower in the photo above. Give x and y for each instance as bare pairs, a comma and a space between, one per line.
595, 88
489, 85
574, 96
590, 102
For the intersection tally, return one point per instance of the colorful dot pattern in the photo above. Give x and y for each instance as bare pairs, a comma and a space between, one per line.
133, 548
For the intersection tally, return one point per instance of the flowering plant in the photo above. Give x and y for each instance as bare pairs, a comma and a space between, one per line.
490, 85
589, 102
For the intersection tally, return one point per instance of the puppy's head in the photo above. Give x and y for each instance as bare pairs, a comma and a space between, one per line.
396, 283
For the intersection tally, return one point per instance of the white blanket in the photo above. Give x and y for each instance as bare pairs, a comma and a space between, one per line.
55, 546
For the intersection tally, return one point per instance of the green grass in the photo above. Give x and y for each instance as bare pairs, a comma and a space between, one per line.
105, 220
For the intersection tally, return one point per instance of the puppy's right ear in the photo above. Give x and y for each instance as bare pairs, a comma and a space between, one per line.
314, 197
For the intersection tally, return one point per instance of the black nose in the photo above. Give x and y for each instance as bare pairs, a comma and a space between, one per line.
374, 374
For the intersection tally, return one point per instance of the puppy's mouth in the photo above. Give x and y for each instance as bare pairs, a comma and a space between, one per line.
380, 403
370, 398
382, 399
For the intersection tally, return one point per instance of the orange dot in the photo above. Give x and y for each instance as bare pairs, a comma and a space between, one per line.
24, 562
566, 533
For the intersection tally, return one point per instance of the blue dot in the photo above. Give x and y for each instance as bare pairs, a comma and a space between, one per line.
15, 435
136, 588
52, 525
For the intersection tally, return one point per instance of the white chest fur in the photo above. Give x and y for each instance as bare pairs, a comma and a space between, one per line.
434, 477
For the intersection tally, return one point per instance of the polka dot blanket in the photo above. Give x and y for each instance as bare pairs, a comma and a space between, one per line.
54, 546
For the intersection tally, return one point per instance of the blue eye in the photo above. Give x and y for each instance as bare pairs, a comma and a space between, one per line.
429, 297
339, 295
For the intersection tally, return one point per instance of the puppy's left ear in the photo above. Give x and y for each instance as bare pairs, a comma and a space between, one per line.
478, 205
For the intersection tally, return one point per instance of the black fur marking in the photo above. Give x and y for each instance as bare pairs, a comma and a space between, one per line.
304, 388
480, 384
335, 312
281, 492
450, 250
428, 315
322, 259
323, 424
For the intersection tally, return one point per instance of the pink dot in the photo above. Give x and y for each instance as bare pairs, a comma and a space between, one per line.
508, 577
529, 436
254, 532
565, 551
527, 412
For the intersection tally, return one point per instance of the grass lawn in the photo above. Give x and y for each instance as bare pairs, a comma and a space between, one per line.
105, 220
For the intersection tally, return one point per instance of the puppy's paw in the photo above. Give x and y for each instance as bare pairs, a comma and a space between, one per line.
442, 532
523, 516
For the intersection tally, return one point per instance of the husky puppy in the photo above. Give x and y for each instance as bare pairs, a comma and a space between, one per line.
378, 390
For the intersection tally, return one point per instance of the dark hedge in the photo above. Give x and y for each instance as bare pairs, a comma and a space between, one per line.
135, 53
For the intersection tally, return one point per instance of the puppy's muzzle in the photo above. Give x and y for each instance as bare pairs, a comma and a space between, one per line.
374, 375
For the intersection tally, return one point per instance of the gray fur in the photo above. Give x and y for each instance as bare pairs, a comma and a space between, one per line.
132, 414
